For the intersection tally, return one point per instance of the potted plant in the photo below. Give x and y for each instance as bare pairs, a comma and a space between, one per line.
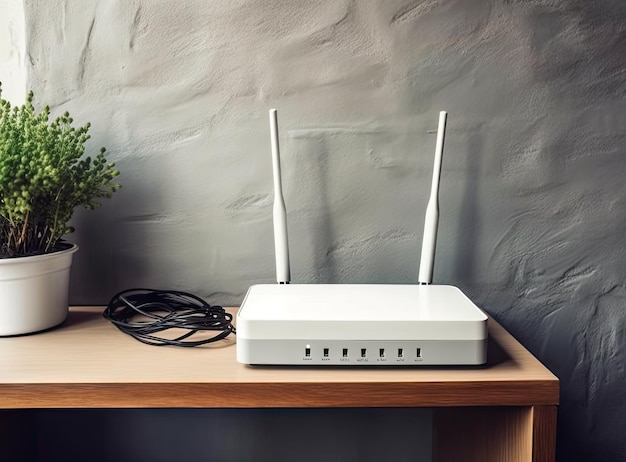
44, 176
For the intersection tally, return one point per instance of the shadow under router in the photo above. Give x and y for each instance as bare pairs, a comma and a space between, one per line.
359, 324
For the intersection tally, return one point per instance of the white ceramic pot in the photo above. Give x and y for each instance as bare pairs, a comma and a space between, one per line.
34, 291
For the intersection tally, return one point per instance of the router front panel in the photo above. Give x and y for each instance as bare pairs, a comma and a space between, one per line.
360, 353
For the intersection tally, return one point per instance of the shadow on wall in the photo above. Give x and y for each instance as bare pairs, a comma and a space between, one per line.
116, 241
468, 231
317, 219
325, 233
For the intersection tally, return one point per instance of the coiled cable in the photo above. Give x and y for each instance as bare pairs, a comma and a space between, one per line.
162, 310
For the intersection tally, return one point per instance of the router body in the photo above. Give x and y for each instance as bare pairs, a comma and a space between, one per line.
360, 324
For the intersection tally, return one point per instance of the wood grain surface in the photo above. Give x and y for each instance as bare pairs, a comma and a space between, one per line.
88, 363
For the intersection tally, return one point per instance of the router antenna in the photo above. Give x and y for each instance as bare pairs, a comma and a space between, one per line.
281, 244
429, 240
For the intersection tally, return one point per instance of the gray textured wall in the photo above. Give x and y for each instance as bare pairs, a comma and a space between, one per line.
533, 192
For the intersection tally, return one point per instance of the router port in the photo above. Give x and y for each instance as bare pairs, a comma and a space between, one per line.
326, 352
344, 353
419, 352
381, 352
363, 352
307, 351
400, 353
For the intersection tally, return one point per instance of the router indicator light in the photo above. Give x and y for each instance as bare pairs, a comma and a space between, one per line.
381, 352
400, 353
326, 352
344, 353
363, 352
307, 351
419, 352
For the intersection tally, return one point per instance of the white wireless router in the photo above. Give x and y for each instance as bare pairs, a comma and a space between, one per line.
359, 324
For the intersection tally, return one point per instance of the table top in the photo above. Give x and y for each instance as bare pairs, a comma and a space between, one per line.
88, 363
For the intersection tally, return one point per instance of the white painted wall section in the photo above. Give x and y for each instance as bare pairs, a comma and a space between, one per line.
13, 51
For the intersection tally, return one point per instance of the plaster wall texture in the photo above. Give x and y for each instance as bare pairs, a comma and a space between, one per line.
533, 195
13, 51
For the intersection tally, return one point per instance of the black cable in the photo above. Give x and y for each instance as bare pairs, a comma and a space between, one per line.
167, 309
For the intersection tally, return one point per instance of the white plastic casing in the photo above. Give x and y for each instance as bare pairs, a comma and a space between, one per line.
431, 222
276, 323
281, 241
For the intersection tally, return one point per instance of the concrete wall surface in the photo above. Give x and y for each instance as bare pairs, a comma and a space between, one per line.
533, 196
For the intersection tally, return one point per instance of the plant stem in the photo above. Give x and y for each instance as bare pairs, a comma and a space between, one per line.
22, 240
54, 225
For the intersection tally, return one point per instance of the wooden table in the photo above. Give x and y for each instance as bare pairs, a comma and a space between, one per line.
504, 411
